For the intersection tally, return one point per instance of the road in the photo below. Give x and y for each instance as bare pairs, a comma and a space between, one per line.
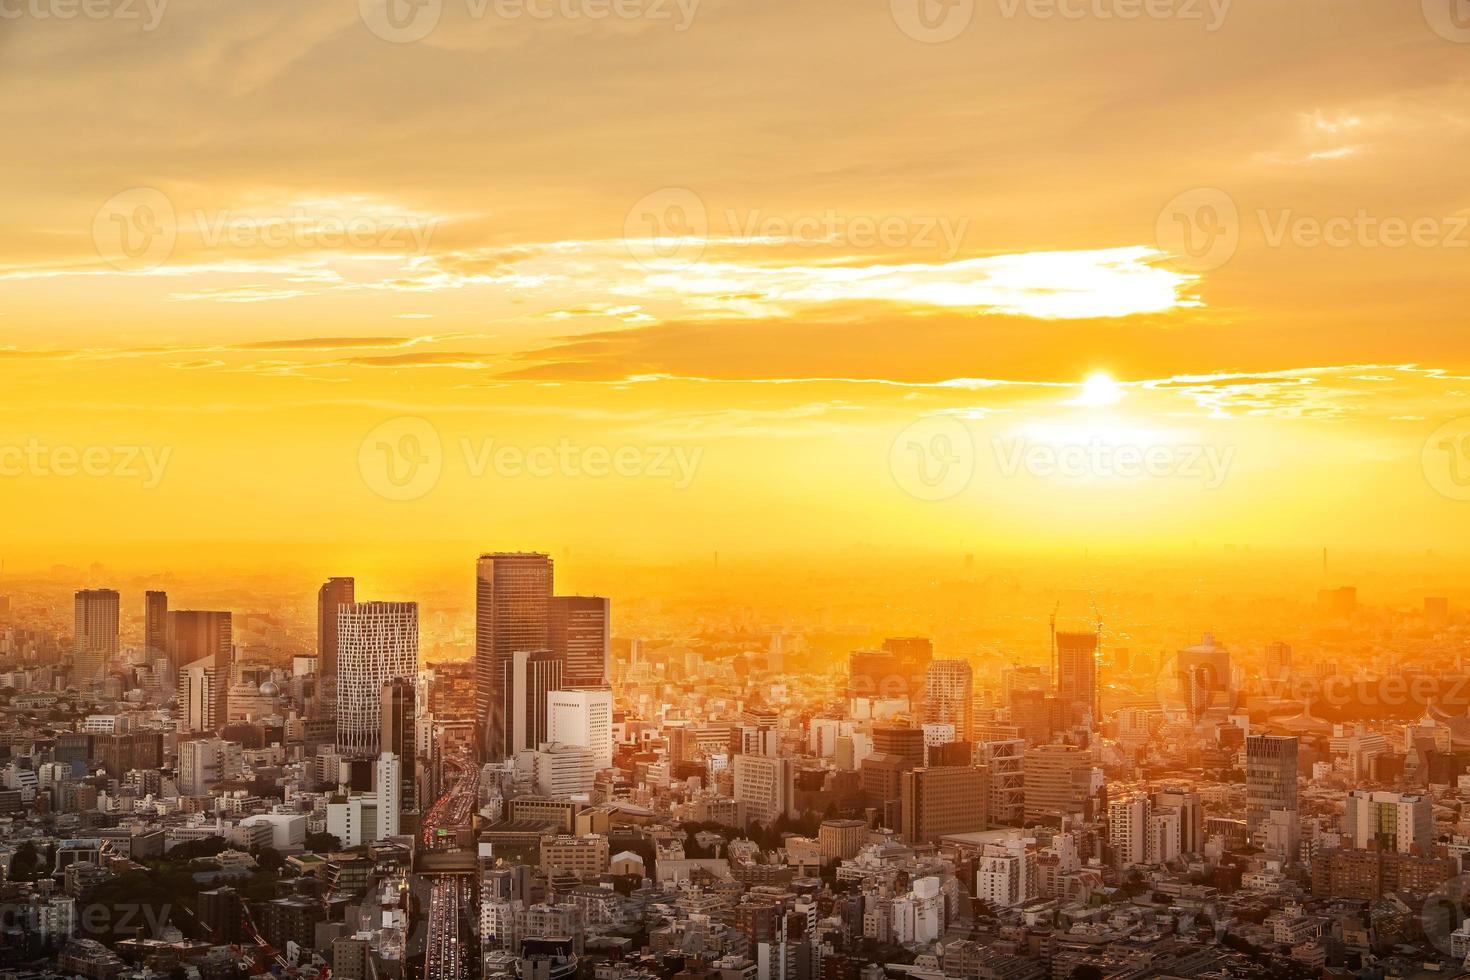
449, 954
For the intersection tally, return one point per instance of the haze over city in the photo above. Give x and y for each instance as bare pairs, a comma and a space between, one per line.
734, 490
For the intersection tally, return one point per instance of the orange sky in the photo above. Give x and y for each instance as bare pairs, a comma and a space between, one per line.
755, 274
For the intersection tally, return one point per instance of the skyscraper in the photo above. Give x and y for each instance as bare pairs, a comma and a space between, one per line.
397, 734
530, 677
949, 696
94, 636
197, 633
376, 642
155, 624
578, 628
1270, 777
512, 599
334, 593
1076, 674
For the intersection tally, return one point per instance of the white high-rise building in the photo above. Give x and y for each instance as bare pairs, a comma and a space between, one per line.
376, 642
1128, 821
949, 696
564, 770
582, 718
1002, 878
206, 761
388, 781
1390, 821
765, 784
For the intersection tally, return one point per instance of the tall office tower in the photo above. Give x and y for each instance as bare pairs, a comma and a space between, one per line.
949, 696
1270, 777
766, 786
1058, 781
579, 627
1076, 674
1389, 821
376, 642
584, 718
1031, 712
914, 654
194, 634
334, 594
397, 735
1006, 761
944, 800
94, 636
530, 677
204, 695
1278, 661
388, 784
155, 625
512, 598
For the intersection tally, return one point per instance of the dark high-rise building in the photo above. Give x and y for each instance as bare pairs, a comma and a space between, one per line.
512, 600
529, 677
94, 635
155, 624
945, 800
221, 915
398, 734
1076, 674
333, 594
1270, 777
194, 634
906, 743
578, 628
